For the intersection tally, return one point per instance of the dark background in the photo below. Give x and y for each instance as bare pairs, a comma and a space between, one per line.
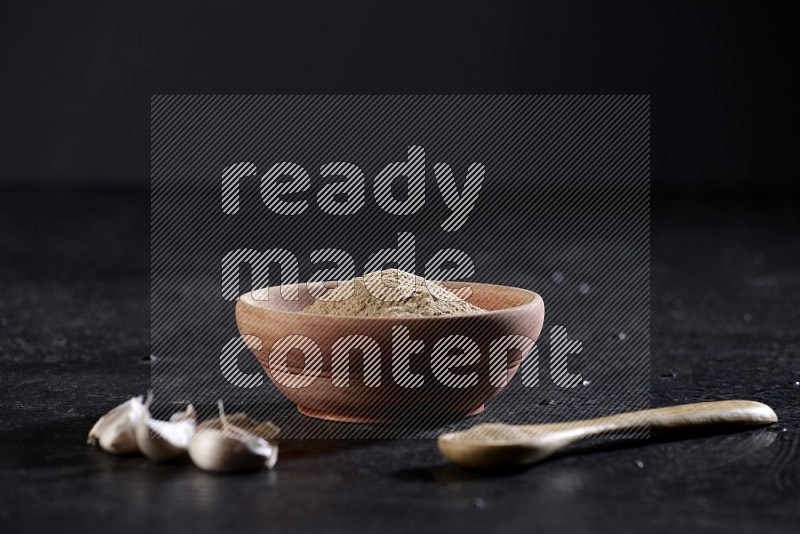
78, 76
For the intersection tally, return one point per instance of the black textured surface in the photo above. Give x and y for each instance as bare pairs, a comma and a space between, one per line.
74, 320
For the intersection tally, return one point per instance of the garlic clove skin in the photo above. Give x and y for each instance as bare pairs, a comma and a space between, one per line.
230, 450
115, 432
219, 446
242, 421
166, 440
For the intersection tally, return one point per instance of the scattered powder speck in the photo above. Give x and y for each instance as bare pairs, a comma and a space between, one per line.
390, 293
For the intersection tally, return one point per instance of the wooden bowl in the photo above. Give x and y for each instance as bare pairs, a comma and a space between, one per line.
309, 383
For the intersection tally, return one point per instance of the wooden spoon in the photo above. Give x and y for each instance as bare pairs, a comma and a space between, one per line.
499, 445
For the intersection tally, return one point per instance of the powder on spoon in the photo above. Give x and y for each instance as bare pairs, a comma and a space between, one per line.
390, 293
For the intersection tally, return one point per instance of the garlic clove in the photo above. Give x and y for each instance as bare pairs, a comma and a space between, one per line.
115, 432
222, 447
265, 430
166, 440
222, 451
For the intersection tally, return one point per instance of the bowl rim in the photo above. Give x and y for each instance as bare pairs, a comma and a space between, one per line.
247, 300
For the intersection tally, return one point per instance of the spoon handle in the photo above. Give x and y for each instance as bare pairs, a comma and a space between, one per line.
684, 416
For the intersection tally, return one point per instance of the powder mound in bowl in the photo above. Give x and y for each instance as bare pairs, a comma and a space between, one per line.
390, 293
